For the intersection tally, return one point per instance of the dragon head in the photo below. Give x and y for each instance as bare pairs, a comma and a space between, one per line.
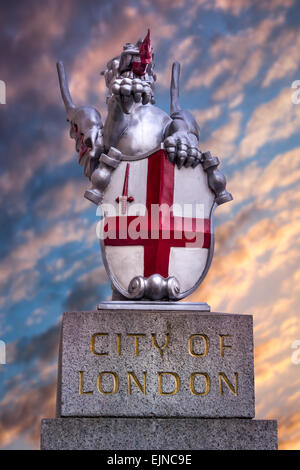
134, 63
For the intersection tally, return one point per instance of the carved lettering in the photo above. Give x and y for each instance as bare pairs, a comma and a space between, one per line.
119, 339
131, 375
156, 345
92, 344
192, 383
191, 345
81, 391
136, 337
160, 383
115, 386
222, 345
232, 388
169, 383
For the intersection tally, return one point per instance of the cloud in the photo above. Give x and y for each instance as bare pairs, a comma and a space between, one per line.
30, 395
89, 289
213, 71
36, 246
256, 182
37, 154
203, 116
35, 317
245, 75
185, 51
272, 121
236, 7
232, 7
42, 348
285, 49
223, 140
236, 101
21, 412
63, 198
31, 49
289, 434
239, 55
23, 286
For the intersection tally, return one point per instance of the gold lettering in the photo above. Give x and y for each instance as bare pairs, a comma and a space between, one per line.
233, 388
136, 337
115, 383
119, 337
131, 375
192, 383
81, 392
177, 383
222, 345
160, 348
92, 344
191, 345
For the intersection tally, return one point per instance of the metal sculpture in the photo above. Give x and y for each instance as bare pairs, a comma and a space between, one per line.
157, 190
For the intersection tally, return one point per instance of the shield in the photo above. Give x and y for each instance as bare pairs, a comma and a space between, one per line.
157, 233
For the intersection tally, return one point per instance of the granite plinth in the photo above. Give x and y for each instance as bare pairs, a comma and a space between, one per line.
158, 434
122, 363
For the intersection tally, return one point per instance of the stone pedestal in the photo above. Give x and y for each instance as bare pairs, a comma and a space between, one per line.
158, 434
156, 379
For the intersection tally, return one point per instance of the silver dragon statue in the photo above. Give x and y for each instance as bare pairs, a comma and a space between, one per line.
142, 150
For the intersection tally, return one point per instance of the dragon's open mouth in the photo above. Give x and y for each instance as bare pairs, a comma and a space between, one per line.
130, 74
81, 147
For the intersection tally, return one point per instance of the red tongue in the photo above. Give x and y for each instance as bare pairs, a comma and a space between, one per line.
139, 68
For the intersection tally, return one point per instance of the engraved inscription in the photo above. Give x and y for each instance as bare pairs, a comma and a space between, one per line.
223, 379
81, 391
167, 383
132, 377
171, 390
115, 383
163, 346
201, 339
193, 377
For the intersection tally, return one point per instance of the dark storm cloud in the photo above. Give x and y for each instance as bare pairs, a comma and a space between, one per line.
228, 231
31, 42
41, 348
88, 291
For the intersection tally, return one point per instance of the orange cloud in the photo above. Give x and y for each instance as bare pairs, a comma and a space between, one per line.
22, 410
256, 182
223, 140
202, 116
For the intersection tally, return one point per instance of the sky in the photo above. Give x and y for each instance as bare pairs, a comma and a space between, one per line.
239, 59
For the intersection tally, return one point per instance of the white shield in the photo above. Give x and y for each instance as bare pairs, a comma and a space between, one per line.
157, 219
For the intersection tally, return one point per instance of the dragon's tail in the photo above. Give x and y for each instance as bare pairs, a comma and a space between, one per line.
65, 92
174, 89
